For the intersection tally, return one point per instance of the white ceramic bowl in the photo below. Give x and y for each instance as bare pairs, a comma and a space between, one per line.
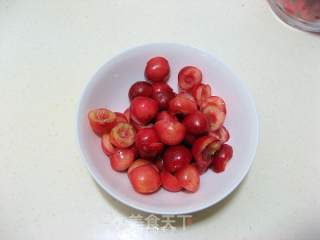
109, 88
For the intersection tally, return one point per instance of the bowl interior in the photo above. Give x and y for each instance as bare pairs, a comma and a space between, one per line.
109, 87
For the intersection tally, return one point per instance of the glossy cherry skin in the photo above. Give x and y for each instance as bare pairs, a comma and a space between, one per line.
143, 109
183, 103
121, 159
164, 115
145, 179
162, 93
171, 132
188, 177
141, 88
148, 143
138, 163
221, 158
189, 77
157, 69
196, 123
176, 157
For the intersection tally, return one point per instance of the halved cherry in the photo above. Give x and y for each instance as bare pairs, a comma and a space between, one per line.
106, 145
138, 126
189, 77
217, 101
145, 179
169, 181
188, 177
137, 163
183, 103
202, 150
215, 116
121, 159
122, 135
120, 117
221, 158
201, 93
222, 134
101, 120
140, 162
171, 132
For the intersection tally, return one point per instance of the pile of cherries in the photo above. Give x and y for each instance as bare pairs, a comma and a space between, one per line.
165, 138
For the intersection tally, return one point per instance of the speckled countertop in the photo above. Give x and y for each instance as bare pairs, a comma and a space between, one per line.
49, 49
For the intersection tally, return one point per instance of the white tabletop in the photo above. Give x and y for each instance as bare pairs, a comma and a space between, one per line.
49, 49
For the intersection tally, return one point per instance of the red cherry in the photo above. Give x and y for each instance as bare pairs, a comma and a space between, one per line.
106, 145
157, 69
196, 123
141, 88
148, 143
169, 182
202, 150
138, 126
145, 179
215, 100
162, 93
189, 77
201, 93
121, 159
188, 177
171, 132
143, 109
183, 103
215, 116
164, 115
161, 87
222, 134
176, 157
137, 163
221, 158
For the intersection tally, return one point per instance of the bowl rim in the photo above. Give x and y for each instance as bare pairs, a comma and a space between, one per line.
133, 205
